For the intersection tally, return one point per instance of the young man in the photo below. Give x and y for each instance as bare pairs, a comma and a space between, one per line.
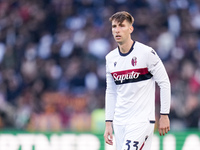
131, 72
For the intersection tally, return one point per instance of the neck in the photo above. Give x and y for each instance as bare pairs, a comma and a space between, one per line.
125, 47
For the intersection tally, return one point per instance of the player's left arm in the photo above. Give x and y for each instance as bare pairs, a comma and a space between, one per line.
160, 75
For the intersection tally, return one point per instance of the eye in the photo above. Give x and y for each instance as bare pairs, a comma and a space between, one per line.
113, 26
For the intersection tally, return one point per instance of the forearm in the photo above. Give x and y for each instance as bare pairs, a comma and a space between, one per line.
162, 79
110, 98
165, 98
110, 106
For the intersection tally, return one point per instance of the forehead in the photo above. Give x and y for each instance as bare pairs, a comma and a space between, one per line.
116, 22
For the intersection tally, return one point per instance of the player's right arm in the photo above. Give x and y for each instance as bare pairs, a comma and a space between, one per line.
110, 102
110, 95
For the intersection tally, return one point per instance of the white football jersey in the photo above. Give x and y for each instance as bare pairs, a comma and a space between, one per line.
130, 79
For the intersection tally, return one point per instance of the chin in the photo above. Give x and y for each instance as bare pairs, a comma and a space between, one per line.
118, 41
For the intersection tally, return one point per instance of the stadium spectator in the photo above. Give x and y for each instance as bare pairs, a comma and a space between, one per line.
55, 46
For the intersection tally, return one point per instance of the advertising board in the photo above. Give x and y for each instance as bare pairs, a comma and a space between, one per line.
16, 140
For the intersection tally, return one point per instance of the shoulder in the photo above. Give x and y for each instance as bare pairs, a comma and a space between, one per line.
113, 53
142, 46
143, 49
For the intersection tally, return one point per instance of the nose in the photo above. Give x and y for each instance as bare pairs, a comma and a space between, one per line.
117, 29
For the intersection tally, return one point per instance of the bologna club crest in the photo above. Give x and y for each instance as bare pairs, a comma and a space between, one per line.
134, 61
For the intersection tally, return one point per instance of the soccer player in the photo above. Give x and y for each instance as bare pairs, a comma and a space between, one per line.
131, 72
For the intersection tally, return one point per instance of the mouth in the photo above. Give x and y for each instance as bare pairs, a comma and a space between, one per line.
117, 36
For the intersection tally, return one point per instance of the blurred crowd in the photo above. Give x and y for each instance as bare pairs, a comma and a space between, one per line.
52, 65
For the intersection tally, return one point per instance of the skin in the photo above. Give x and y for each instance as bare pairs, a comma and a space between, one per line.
108, 134
122, 35
164, 125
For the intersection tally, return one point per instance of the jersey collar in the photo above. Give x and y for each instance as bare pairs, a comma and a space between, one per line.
125, 54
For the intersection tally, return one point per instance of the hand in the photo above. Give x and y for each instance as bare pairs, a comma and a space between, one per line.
164, 125
108, 134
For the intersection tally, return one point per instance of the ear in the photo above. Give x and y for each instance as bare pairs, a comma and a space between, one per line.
131, 29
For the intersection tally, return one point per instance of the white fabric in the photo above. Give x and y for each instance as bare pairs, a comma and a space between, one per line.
132, 100
132, 137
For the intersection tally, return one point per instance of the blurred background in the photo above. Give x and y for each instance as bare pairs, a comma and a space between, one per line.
52, 65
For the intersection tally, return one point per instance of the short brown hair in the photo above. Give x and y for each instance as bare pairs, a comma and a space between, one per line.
121, 16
